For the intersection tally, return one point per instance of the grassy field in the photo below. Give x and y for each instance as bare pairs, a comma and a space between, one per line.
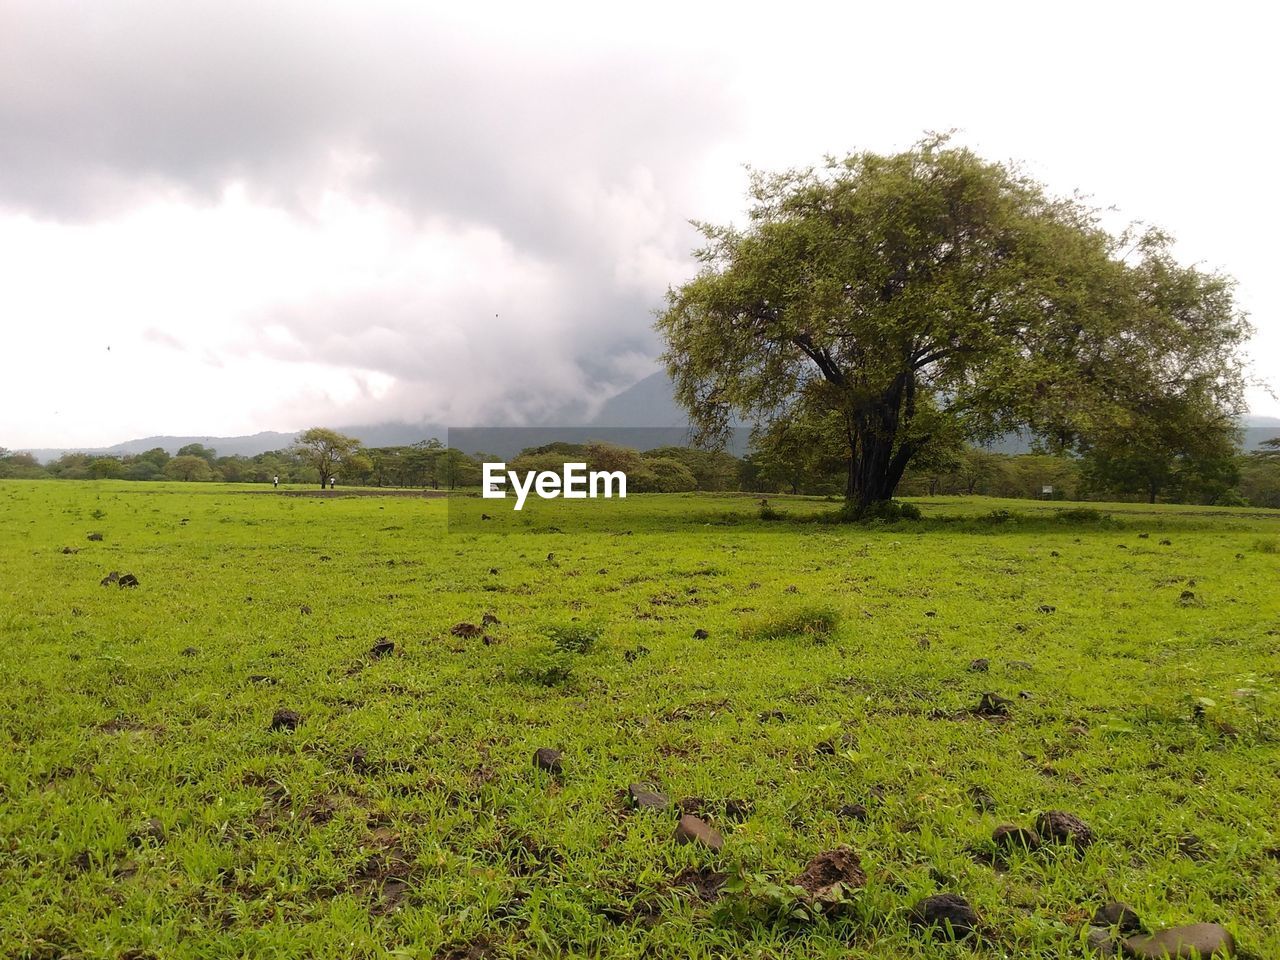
148, 808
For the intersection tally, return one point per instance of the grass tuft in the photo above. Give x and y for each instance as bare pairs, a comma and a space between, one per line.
817, 623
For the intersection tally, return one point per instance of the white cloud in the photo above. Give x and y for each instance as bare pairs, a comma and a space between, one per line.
327, 213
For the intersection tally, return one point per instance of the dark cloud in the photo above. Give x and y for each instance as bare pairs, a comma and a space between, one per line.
578, 165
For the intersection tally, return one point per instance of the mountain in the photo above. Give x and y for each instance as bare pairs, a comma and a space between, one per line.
642, 407
649, 403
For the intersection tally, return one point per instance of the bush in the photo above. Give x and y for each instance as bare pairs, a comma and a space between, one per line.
1267, 545
544, 667
883, 511
1230, 498
573, 637
818, 623
1082, 515
768, 513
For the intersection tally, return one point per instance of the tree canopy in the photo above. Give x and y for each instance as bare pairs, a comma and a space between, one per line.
325, 450
921, 299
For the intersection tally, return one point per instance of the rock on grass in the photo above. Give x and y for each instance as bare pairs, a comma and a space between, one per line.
1057, 826
693, 829
285, 720
643, 798
1195, 940
1007, 837
948, 915
1118, 915
548, 759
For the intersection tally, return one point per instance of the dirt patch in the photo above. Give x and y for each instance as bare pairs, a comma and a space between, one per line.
705, 884
830, 875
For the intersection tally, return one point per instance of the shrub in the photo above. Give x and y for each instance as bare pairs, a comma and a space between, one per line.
1082, 515
1267, 545
544, 667
573, 637
885, 511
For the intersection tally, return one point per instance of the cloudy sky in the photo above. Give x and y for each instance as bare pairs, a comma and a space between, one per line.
224, 217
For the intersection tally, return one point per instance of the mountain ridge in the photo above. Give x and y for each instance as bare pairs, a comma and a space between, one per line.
647, 403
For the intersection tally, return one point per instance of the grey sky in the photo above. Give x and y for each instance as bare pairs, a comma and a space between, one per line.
275, 215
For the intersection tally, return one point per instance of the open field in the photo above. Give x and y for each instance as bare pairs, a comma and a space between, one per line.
147, 808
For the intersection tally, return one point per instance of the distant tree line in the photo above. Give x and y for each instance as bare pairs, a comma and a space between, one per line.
780, 461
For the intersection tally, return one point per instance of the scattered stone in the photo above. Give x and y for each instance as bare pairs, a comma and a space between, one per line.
982, 801
110, 578
383, 648
1192, 847
465, 629
1008, 837
1166, 543
190, 652
128, 580
645, 799
286, 720
263, 678
305, 610
1188, 598
1057, 826
693, 829
1025, 695
1101, 942
152, 830
485, 516
771, 715
1020, 665
829, 875
948, 915
1047, 608
1054, 553
95, 537
700, 634
737, 810
991, 706
853, 811
489, 619
1195, 940
548, 759
358, 759
69, 550
487, 640
493, 571
980, 665
1144, 536
1119, 915
631, 656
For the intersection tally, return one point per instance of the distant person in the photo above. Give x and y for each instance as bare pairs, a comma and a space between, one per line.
333, 483
275, 482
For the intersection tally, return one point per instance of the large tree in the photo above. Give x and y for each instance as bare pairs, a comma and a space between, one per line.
931, 297
324, 450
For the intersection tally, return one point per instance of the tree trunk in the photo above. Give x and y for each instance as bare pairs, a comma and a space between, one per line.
873, 473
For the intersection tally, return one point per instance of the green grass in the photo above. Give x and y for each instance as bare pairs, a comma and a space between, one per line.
403, 816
